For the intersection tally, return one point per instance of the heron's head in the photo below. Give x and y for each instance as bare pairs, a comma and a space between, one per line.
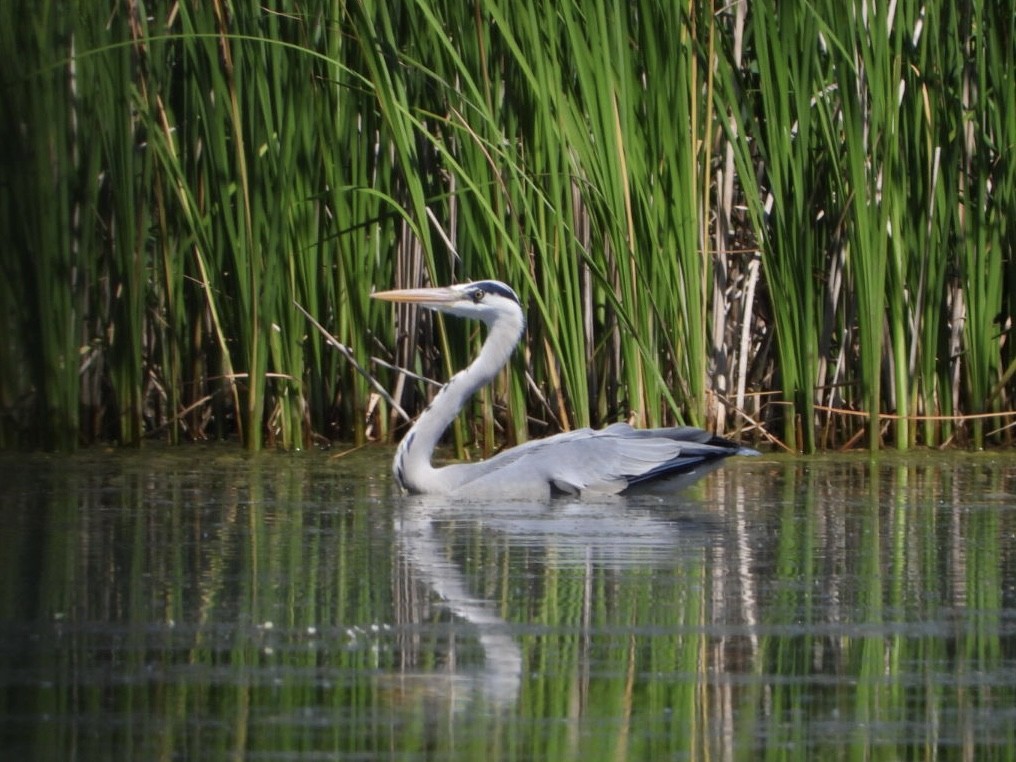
486, 300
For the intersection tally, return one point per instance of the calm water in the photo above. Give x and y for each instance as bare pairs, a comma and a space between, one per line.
197, 604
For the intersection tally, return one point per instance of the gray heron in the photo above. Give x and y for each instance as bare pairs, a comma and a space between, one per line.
581, 462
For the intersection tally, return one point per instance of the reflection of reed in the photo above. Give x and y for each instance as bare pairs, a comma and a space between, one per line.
810, 606
733, 603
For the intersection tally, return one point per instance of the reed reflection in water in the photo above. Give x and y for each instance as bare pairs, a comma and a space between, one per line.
196, 603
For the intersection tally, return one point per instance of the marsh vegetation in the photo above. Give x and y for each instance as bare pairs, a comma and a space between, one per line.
785, 219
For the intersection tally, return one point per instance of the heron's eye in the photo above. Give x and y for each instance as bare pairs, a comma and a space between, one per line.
478, 295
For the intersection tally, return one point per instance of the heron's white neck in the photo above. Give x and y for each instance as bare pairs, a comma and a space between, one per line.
412, 467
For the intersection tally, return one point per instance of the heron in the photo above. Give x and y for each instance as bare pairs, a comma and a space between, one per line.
583, 462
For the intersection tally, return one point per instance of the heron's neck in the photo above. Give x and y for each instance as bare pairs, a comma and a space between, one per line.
412, 467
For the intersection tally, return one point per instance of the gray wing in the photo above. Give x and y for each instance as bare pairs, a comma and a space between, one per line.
605, 461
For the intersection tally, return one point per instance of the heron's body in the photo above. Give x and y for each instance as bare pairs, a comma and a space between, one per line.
586, 461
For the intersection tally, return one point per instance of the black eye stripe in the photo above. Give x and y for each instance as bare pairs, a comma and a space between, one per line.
485, 287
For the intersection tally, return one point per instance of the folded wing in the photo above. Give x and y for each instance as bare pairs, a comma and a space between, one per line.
606, 461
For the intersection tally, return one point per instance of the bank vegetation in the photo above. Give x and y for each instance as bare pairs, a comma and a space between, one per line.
789, 222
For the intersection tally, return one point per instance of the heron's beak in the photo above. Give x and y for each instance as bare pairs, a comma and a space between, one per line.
429, 297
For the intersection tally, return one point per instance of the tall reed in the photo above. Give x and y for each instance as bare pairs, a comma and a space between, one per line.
178, 184
793, 206
45, 207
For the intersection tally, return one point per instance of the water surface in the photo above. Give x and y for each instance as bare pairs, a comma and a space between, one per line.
196, 603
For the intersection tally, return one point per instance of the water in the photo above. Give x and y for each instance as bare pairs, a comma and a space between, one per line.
198, 604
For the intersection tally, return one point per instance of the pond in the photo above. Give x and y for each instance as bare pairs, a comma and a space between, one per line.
197, 603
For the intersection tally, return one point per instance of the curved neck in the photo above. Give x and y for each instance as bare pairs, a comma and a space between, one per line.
412, 467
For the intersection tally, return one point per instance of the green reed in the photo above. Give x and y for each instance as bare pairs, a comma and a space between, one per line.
860, 121
40, 198
986, 208
178, 186
795, 233
866, 72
